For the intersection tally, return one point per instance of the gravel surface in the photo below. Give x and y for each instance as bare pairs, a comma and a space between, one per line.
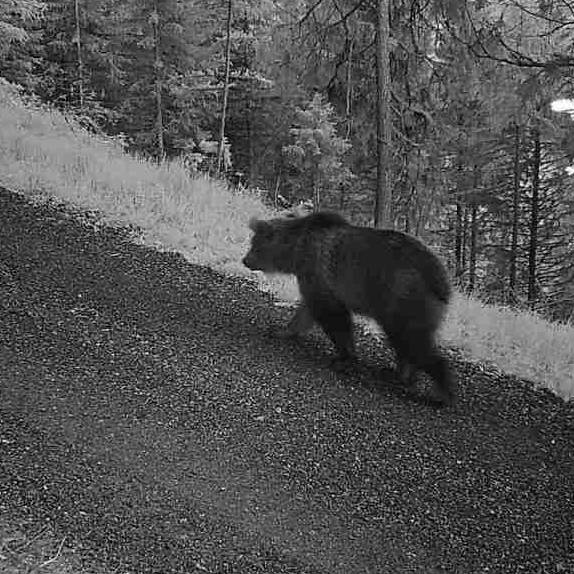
147, 413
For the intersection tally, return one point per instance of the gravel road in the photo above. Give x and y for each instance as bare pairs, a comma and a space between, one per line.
149, 415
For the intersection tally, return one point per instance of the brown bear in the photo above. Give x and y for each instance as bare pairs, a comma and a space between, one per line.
380, 273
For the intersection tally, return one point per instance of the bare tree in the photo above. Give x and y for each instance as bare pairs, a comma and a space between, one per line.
158, 66
534, 212
473, 247
78, 42
221, 148
383, 192
515, 213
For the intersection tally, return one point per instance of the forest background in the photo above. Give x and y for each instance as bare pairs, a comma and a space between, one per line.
439, 109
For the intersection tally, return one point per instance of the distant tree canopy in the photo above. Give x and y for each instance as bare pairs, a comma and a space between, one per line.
449, 99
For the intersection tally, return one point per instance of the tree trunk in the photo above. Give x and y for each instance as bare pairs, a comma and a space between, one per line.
78, 41
349, 91
463, 240
460, 230
251, 134
534, 210
276, 192
316, 190
472, 248
348, 109
221, 148
515, 216
157, 66
458, 242
383, 192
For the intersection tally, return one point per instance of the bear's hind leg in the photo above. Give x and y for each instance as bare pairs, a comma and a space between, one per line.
416, 347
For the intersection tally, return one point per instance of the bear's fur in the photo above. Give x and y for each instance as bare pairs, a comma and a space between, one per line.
380, 273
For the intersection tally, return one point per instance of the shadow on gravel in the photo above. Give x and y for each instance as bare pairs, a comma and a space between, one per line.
147, 414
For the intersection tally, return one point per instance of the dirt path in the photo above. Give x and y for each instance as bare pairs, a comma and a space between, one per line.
147, 413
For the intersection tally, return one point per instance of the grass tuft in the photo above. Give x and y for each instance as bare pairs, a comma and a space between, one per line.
521, 343
25, 549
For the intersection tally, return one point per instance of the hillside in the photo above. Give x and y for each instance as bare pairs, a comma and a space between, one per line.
49, 157
150, 421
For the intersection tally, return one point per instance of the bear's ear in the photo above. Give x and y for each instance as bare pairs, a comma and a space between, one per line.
260, 226
254, 223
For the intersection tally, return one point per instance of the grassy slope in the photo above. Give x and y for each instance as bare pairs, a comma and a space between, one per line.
44, 155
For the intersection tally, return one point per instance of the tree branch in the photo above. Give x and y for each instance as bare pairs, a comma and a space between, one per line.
310, 11
515, 58
345, 17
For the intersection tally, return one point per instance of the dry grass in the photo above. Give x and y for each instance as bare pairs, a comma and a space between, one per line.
519, 343
43, 154
26, 550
